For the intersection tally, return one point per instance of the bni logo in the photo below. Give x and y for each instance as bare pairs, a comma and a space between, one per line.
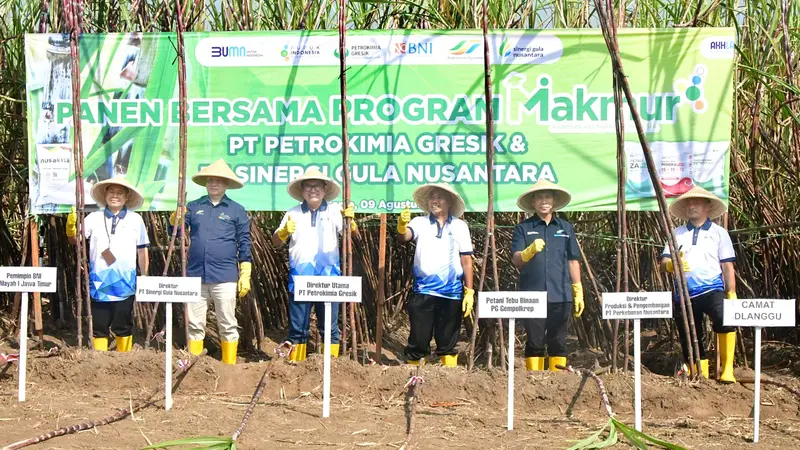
228, 52
413, 48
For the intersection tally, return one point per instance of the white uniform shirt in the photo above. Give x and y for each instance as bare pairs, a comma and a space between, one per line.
437, 260
705, 248
314, 245
123, 234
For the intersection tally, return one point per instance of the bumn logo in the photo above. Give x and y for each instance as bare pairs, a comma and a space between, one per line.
413, 48
228, 52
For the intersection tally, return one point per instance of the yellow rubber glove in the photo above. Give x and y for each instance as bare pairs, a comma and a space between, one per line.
532, 250
577, 299
402, 222
732, 295
72, 223
244, 278
350, 213
686, 267
468, 302
174, 219
287, 229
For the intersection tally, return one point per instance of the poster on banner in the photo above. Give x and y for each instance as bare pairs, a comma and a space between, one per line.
512, 305
268, 103
637, 305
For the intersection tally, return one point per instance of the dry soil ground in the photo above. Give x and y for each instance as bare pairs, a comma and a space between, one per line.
457, 408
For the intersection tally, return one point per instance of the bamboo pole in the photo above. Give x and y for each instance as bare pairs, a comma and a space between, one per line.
37, 297
381, 289
182, 146
665, 222
347, 244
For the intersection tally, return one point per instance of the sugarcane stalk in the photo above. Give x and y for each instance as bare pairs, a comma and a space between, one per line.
381, 289
262, 384
178, 375
182, 146
665, 222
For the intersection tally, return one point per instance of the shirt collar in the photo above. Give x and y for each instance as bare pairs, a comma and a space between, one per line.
120, 215
705, 226
433, 219
322, 207
206, 199
538, 220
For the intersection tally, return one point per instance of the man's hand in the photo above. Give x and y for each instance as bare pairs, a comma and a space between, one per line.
532, 250
686, 267
577, 299
175, 218
468, 302
72, 223
403, 220
244, 278
287, 229
732, 295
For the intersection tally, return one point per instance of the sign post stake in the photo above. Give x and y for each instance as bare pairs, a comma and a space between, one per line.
637, 373
168, 362
511, 341
326, 367
757, 401
23, 345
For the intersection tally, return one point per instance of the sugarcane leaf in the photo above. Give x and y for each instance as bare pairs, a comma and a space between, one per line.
646, 437
591, 441
101, 151
204, 441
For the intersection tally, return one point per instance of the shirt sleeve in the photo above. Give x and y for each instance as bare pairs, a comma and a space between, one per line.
87, 227
463, 239
573, 252
336, 217
518, 240
243, 236
726, 252
415, 226
283, 221
144, 239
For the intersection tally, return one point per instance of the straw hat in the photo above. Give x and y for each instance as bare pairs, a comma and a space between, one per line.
98, 192
717, 207
295, 188
220, 170
423, 193
561, 196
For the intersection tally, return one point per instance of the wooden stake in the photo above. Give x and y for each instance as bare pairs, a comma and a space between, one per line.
37, 296
381, 289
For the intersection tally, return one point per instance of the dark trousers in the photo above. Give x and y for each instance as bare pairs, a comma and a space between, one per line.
300, 320
116, 316
551, 332
436, 317
711, 303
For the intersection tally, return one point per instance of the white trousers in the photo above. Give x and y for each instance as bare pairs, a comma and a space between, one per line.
224, 297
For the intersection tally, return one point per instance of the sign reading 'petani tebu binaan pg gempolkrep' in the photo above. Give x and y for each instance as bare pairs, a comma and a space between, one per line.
269, 103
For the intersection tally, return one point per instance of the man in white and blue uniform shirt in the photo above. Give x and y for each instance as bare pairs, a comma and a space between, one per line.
118, 242
442, 272
312, 229
708, 257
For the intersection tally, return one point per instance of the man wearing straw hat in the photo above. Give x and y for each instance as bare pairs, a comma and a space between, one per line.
117, 242
545, 250
312, 229
708, 256
219, 254
442, 272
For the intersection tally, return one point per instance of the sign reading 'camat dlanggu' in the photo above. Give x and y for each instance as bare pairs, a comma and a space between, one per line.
759, 313
269, 103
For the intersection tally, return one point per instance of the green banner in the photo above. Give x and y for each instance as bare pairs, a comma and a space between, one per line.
269, 104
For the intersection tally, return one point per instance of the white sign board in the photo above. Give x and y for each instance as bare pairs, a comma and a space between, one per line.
327, 289
28, 279
168, 289
512, 305
637, 305
759, 313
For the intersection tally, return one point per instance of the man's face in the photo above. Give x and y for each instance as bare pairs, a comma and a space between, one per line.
313, 191
439, 202
697, 208
543, 202
216, 186
116, 196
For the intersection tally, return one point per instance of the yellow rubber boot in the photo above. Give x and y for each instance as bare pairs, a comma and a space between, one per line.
101, 344
417, 362
727, 346
298, 353
534, 363
196, 347
334, 350
229, 351
124, 343
704, 368
557, 361
449, 360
